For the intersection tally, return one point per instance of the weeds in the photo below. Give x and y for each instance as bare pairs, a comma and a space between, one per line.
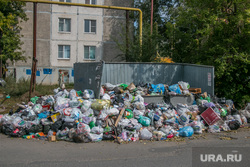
17, 89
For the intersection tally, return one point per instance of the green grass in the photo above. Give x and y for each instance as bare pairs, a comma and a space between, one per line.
17, 89
19, 92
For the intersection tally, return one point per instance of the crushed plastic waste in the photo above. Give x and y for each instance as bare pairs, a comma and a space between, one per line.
121, 114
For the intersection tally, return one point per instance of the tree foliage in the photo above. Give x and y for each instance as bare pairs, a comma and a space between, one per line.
11, 13
208, 32
149, 50
213, 32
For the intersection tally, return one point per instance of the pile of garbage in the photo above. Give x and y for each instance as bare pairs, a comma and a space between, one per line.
121, 115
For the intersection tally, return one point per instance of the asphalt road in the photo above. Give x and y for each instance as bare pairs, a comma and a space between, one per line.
24, 152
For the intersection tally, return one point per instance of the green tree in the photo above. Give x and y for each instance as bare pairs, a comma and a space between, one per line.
136, 53
11, 13
151, 41
213, 32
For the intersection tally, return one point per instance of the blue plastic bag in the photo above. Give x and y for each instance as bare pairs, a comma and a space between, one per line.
186, 131
175, 88
159, 88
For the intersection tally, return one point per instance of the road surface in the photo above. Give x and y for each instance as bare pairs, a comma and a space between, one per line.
33, 152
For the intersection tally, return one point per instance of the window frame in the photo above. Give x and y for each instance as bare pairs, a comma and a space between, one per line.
64, 52
89, 50
65, 1
64, 25
91, 2
90, 26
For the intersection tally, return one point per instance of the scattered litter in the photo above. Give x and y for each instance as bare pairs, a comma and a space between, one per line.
123, 115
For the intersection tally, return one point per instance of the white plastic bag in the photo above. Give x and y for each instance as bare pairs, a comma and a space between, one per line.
86, 104
145, 134
184, 85
113, 111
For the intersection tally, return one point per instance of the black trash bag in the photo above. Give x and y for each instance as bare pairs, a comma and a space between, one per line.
40, 101
130, 128
81, 138
69, 125
11, 112
34, 129
118, 99
7, 129
248, 120
32, 118
151, 106
56, 126
46, 129
107, 136
18, 110
234, 125
234, 111
118, 90
141, 84
202, 109
19, 132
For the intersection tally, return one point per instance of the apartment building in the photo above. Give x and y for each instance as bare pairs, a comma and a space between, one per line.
70, 34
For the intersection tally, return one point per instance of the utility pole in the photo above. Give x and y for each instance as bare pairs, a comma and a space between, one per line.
33, 71
127, 32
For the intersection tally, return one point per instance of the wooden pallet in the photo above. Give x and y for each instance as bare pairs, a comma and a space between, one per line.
195, 90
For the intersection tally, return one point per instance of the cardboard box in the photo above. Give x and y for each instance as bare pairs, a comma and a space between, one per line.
52, 138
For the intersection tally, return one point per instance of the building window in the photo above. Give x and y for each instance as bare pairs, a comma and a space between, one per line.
90, 26
89, 52
65, 0
63, 51
93, 2
64, 25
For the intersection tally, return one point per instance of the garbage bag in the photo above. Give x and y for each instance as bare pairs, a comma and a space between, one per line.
175, 88
8, 128
197, 127
113, 112
95, 137
234, 125
145, 134
61, 103
88, 94
145, 121
56, 126
184, 119
19, 132
73, 94
186, 131
214, 128
81, 138
97, 130
159, 88
100, 104
107, 136
83, 128
68, 125
34, 128
181, 108
86, 104
74, 103
184, 85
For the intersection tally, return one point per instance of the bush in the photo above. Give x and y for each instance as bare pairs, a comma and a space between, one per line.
14, 88
232, 78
